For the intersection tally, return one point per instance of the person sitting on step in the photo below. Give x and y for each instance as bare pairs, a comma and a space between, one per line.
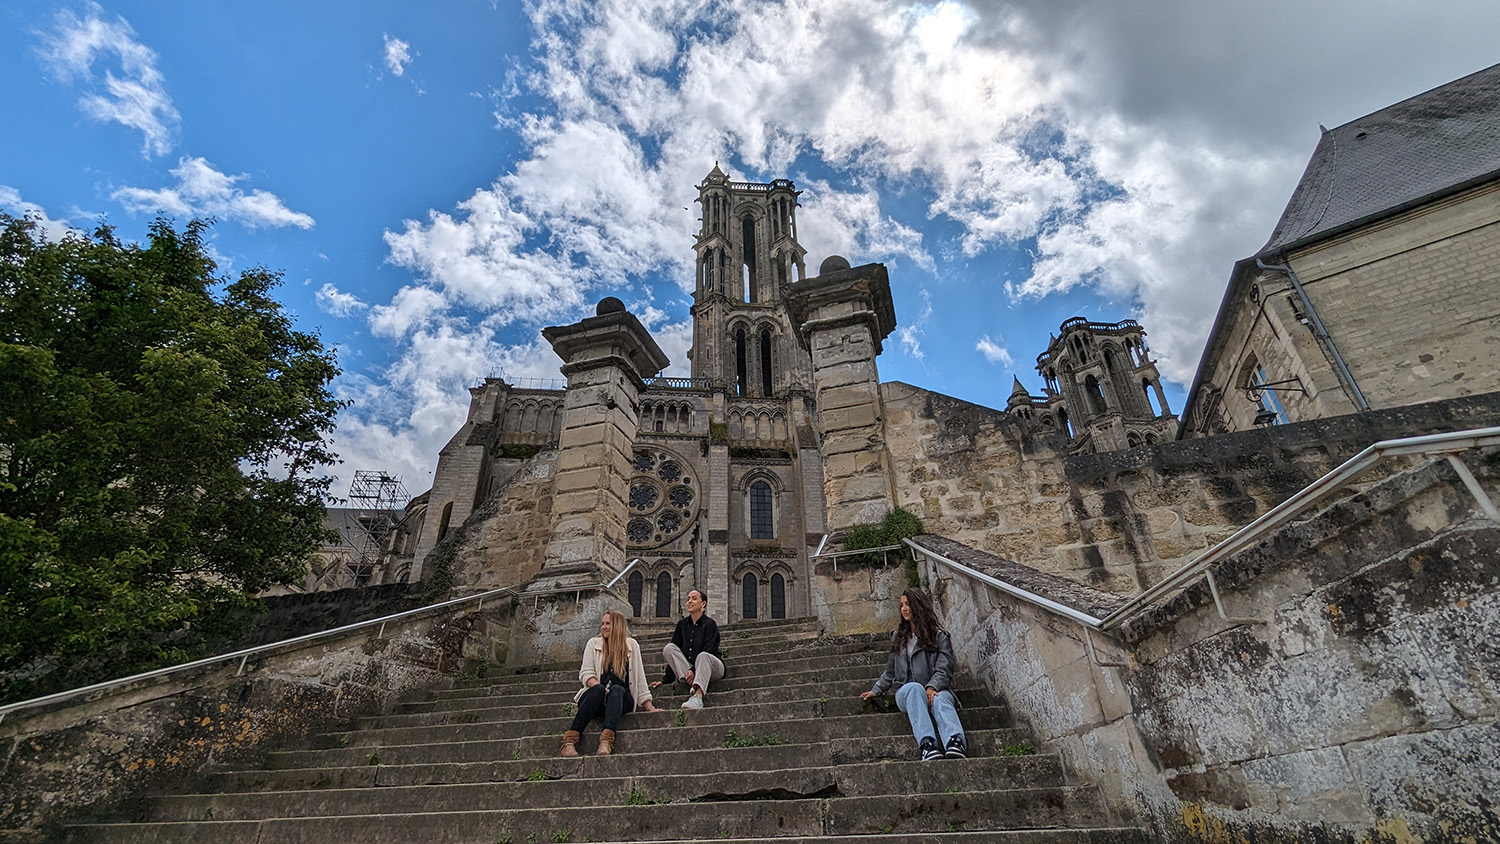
611, 669
693, 654
920, 667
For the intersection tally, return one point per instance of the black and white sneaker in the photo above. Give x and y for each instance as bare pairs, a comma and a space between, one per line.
956, 749
930, 750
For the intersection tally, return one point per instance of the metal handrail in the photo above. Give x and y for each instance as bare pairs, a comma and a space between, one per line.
852, 552
1441, 444
245, 654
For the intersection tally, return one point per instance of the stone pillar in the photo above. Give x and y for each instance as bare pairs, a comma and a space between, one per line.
605, 358
841, 316
715, 576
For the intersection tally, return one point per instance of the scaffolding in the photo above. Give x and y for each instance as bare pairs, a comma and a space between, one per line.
377, 501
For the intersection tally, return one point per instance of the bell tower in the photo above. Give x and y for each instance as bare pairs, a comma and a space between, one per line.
747, 254
1102, 386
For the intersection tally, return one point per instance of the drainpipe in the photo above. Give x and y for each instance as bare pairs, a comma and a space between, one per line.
1320, 333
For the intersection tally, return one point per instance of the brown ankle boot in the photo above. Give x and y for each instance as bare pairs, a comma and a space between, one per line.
570, 744
606, 743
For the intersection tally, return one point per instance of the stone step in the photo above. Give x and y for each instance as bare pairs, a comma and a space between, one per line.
583, 789
1039, 808
664, 696
717, 712
1096, 835
770, 663
735, 716
634, 738
855, 667
708, 762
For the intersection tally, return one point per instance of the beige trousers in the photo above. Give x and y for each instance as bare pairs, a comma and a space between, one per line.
706, 668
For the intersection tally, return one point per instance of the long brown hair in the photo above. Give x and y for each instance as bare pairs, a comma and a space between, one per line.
617, 646
923, 624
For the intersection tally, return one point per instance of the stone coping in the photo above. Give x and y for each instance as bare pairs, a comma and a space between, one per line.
1087, 599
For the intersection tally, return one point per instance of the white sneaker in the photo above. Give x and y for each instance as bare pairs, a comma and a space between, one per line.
693, 702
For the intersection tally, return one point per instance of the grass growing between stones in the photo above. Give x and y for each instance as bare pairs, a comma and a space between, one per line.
639, 798
1020, 748
751, 740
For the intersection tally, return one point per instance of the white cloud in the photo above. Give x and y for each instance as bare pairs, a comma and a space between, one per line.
202, 191
411, 308
52, 230
1122, 148
132, 93
993, 352
910, 334
338, 303
398, 55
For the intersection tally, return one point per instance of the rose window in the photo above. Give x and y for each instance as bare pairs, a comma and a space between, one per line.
663, 499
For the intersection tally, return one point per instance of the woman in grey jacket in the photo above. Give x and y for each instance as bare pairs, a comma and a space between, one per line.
921, 670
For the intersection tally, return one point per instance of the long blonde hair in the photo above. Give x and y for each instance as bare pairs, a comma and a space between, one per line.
617, 646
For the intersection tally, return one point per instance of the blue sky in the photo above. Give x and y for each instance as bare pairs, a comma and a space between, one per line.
438, 181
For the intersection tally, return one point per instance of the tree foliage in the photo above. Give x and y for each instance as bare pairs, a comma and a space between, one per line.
161, 432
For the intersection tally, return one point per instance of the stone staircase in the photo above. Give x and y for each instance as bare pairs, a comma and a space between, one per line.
785, 750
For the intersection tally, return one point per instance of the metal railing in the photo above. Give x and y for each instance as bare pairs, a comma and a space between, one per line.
1446, 445
296, 642
885, 553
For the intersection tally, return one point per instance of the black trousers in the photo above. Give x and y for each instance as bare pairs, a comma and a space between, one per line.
595, 702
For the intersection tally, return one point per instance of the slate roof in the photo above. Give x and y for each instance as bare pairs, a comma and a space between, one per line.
1403, 155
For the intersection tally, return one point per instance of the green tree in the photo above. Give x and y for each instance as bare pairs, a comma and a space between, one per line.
161, 435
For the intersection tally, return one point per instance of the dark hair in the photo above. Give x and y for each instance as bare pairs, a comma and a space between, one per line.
923, 624
701, 594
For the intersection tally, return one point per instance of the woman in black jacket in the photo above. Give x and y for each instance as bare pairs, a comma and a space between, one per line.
921, 669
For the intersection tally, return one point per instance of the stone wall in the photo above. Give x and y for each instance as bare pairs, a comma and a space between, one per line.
851, 598
1412, 302
1119, 520
95, 754
504, 541
1363, 707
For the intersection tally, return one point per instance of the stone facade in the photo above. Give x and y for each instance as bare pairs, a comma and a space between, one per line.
718, 479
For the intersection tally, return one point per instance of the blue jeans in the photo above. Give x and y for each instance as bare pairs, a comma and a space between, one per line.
912, 699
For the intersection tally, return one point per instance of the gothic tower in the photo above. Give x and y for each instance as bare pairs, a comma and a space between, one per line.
747, 255
1103, 389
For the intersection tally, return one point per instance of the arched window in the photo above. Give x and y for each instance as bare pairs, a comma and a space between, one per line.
762, 524
664, 595
1150, 399
765, 362
637, 588
748, 603
1096, 395
739, 363
443, 523
778, 596
1067, 424
747, 236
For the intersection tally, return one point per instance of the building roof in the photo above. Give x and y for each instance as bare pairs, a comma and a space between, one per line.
1403, 155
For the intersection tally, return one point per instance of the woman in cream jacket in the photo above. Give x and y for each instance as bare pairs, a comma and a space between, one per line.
614, 683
